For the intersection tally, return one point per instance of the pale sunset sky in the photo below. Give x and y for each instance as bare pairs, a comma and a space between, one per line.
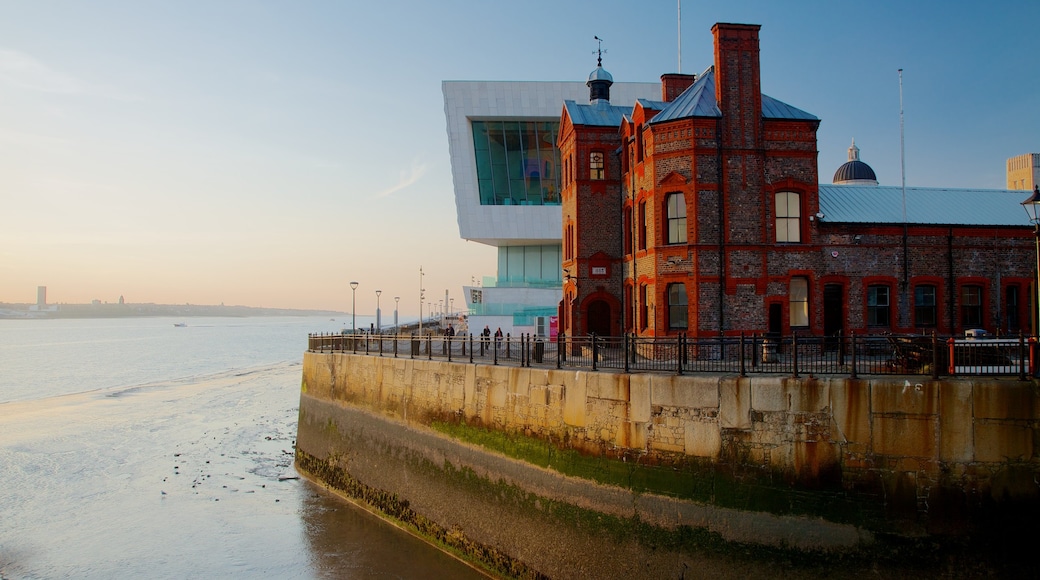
267, 153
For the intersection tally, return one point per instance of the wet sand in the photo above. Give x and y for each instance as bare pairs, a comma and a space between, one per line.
183, 479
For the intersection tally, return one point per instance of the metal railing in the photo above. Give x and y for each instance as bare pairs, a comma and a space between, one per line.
795, 356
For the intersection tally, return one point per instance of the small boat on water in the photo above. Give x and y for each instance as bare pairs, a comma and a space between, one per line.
180, 324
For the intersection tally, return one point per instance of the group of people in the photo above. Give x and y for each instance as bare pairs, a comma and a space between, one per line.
485, 335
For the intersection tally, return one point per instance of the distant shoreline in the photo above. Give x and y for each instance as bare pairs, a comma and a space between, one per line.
23, 311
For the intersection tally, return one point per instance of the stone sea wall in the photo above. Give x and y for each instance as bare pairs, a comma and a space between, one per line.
803, 464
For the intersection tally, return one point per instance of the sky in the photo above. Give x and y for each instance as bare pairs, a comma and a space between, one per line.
267, 153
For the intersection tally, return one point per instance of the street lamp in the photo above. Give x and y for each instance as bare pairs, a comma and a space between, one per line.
379, 326
1032, 207
397, 304
353, 307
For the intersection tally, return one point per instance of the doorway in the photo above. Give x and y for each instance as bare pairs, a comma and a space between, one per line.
598, 318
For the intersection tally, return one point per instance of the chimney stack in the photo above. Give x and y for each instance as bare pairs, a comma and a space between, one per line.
673, 85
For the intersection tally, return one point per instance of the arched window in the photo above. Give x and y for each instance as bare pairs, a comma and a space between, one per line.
788, 217
675, 207
678, 307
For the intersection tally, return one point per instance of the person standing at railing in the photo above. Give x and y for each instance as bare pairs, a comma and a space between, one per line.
485, 339
498, 337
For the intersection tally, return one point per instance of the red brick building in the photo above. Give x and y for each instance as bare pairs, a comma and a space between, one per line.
702, 213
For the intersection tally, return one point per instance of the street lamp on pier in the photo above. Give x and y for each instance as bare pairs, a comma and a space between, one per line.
379, 314
353, 307
397, 305
1032, 207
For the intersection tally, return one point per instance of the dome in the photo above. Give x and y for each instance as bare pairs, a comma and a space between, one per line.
600, 74
854, 171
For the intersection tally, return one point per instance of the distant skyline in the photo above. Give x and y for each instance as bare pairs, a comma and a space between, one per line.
268, 153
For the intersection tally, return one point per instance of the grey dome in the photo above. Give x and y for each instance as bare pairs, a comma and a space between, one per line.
600, 74
854, 171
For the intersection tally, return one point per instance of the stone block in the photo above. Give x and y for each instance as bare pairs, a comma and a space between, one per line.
807, 395
850, 406
735, 403
1003, 400
640, 396
768, 394
632, 435
608, 386
574, 400
999, 441
911, 397
703, 439
905, 436
688, 391
956, 431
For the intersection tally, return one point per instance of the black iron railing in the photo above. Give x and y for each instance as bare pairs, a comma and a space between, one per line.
796, 356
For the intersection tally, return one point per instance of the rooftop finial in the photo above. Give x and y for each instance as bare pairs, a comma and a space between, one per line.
853, 151
599, 51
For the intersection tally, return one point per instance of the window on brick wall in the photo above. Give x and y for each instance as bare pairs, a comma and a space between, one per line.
675, 206
798, 301
925, 310
644, 308
596, 165
642, 225
788, 217
878, 307
971, 306
678, 308
1012, 310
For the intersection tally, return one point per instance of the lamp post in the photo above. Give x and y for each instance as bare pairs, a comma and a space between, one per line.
422, 296
1032, 207
353, 307
379, 314
397, 305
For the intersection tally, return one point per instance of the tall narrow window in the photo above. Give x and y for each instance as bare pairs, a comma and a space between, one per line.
799, 302
596, 165
642, 225
678, 311
628, 231
971, 306
788, 217
924, 306
644, 308
878, 313
1012, 309
676, 209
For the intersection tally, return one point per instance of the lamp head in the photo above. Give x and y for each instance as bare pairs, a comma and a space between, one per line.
353, 285
1032, 206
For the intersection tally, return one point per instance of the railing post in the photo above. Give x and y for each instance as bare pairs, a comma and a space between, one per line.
852, 343
952, 364
379, 337
935, 357
447, 345
559, 350
754, 350
595, 350
507, 344
743, 369
413, 346
1021, 356
679, 354
429, 347
471, 346
794, 354
563, 346
396, 339
624, 351
496, 350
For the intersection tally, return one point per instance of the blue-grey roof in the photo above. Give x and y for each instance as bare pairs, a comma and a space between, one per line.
654, 105
600, 74
699, 101
924, 205
597, 115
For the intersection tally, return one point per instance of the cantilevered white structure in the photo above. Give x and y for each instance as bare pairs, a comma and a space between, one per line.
506, 169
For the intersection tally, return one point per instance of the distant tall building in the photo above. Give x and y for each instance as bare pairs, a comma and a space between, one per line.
1023, 171
41, 297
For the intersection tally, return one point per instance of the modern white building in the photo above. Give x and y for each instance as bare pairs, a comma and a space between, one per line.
505, 167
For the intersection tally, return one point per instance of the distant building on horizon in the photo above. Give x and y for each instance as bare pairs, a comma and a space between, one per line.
1023, 171
41, 297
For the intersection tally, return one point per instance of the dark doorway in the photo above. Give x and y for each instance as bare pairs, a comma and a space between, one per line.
776, 321
598, 318
833, 315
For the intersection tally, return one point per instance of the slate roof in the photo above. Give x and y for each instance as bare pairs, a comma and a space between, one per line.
699, 101
598, 115
924, 205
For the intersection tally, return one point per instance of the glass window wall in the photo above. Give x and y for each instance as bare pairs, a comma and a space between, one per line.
517, 162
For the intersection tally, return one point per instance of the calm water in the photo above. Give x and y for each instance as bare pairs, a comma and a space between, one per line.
131, 448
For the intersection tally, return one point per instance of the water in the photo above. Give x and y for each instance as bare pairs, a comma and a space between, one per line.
132, 448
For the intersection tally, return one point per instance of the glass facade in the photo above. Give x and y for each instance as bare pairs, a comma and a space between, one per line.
529, 267
517, 162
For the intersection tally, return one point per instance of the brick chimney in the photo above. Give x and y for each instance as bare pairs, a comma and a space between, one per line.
673, 85
738, 88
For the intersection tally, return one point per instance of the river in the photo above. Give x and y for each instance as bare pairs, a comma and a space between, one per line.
134, 448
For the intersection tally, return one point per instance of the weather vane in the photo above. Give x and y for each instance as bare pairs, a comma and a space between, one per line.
599, 51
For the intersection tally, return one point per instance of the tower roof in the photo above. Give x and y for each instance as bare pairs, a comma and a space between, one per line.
699, 101
854, 171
